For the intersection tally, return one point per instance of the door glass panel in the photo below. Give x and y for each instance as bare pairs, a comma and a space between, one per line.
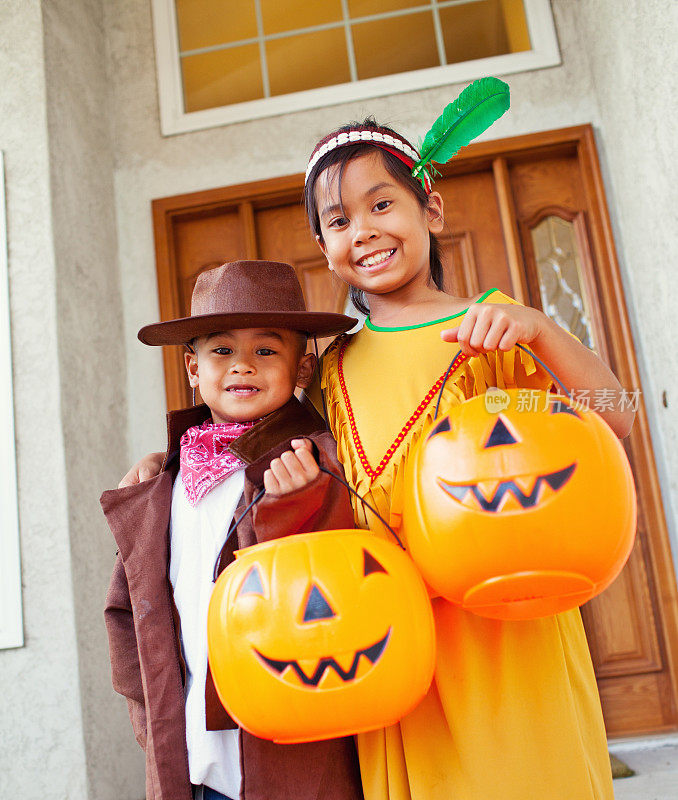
563, 294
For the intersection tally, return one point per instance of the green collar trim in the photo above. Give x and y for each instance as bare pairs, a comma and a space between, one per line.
374, 327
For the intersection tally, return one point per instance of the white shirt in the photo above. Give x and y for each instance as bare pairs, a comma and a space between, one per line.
196, 538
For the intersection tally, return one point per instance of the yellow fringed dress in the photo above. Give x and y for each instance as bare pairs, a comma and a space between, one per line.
513, 712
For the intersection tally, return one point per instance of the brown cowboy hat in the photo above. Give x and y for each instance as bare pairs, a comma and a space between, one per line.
246, 294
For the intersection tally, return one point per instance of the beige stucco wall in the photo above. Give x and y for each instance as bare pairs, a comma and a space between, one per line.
41, 718
64, 734
92, 361
84, 156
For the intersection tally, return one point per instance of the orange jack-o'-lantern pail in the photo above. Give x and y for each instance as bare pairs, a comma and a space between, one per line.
521, 513
320, 635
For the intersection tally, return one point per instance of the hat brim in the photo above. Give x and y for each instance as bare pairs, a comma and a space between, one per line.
181, 331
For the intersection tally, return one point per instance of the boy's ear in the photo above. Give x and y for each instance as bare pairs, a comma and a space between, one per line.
191, 362
434, 213
305, 370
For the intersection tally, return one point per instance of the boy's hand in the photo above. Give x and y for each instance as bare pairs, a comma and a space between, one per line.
294, 469
495, 326
143, 470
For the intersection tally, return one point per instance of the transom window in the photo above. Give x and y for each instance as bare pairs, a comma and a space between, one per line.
226, 60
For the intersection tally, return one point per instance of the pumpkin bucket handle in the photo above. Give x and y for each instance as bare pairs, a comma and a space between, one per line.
234, 525
459, 359
262, 492
364, 502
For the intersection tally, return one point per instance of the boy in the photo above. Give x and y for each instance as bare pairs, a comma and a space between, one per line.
246, 343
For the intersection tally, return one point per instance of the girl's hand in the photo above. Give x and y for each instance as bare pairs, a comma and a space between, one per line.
143, 470
294, 469
495, 326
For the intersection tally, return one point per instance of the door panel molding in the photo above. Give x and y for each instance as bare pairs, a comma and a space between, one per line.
461, 272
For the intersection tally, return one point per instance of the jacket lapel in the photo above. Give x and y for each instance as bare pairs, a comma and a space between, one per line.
292, 420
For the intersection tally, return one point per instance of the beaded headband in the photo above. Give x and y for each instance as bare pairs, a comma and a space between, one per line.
387, 140
476, 108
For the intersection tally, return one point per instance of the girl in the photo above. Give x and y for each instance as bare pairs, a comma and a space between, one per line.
513, 711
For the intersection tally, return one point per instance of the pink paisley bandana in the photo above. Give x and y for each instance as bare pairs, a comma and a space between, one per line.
205, 459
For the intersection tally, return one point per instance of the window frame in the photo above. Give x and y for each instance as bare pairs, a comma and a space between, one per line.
11, 615
174, 120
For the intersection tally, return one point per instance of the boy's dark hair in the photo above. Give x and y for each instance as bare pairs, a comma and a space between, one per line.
396, 168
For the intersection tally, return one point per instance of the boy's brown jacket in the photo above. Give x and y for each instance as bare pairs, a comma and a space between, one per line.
142, 622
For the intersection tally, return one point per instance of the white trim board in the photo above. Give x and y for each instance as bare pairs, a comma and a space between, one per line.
173, 119
11, 618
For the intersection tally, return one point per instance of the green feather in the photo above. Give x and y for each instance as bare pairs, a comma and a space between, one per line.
476, 108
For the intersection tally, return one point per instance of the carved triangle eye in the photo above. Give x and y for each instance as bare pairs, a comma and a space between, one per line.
559, 407
441, 427
370, 564
500, 435
252, 583
317, 606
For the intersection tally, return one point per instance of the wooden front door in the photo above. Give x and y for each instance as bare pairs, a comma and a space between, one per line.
526, 215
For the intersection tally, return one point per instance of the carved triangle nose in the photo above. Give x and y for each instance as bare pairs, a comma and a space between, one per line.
500, 435
317, 606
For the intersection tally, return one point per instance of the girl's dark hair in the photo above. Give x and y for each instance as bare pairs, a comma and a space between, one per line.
396, 168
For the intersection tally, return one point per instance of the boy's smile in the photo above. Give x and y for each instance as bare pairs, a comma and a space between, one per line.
248, 373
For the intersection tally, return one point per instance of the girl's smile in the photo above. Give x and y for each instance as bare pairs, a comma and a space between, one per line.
373, 261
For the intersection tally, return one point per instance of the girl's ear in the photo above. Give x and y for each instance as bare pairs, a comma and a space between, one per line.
322, 246
434, 213
305, 370
191, 362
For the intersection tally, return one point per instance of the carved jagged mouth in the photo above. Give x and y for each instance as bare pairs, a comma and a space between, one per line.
372, 653
508, 495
